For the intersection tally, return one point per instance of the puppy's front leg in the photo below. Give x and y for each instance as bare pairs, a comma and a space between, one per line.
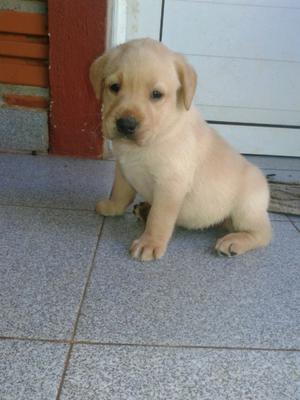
160, 224
122, 195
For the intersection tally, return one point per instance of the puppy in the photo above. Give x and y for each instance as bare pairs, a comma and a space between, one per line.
167, 153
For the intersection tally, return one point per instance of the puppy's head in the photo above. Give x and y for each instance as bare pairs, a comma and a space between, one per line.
143, 87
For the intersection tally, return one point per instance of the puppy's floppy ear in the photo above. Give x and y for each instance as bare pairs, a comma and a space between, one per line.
97, 74
188, 79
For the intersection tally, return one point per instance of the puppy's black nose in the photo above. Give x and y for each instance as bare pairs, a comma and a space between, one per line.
127, 125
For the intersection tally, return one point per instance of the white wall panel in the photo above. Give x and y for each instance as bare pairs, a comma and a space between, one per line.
232, 31
247, 56
254, 3
264, 141
253, 84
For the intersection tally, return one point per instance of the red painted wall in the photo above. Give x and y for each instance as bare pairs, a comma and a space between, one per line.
77, 36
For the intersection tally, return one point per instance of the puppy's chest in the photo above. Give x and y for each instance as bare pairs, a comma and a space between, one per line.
138, 174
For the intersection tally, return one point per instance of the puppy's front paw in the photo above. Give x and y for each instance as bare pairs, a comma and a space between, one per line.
108, 208
147, 248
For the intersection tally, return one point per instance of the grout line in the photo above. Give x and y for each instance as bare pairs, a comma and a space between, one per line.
293, 223
183, 346
66, 365
87, 281
75, 325
151, 345
30, 339
45, 207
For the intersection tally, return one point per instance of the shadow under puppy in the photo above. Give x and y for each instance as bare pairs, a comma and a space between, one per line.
168, 154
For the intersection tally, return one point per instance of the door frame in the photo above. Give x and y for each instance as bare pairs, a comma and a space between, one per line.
77, 35
130, 19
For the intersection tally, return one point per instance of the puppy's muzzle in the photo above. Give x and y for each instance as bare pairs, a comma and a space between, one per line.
126, 126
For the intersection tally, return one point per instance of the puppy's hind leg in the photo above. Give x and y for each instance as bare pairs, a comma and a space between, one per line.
122, 195
249, 233
251, 227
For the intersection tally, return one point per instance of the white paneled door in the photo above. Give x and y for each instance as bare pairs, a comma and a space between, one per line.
247, 56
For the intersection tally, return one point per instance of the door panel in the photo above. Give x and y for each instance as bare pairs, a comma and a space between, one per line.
269, 91
261, 140
247, 56
255, 3
233, 30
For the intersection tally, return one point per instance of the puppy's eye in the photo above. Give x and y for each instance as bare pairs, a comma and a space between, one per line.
156, 95
115, 87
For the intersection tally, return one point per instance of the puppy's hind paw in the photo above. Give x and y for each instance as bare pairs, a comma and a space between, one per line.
234, 244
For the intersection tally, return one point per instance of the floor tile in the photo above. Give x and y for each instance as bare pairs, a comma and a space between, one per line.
275, 175
297, 225
56, 182
44, 259
278, 217
192, 297
30, 370
123, 373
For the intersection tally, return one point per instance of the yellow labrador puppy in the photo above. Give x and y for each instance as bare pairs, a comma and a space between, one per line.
168, 154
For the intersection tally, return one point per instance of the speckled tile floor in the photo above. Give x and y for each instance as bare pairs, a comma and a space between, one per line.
80, 320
